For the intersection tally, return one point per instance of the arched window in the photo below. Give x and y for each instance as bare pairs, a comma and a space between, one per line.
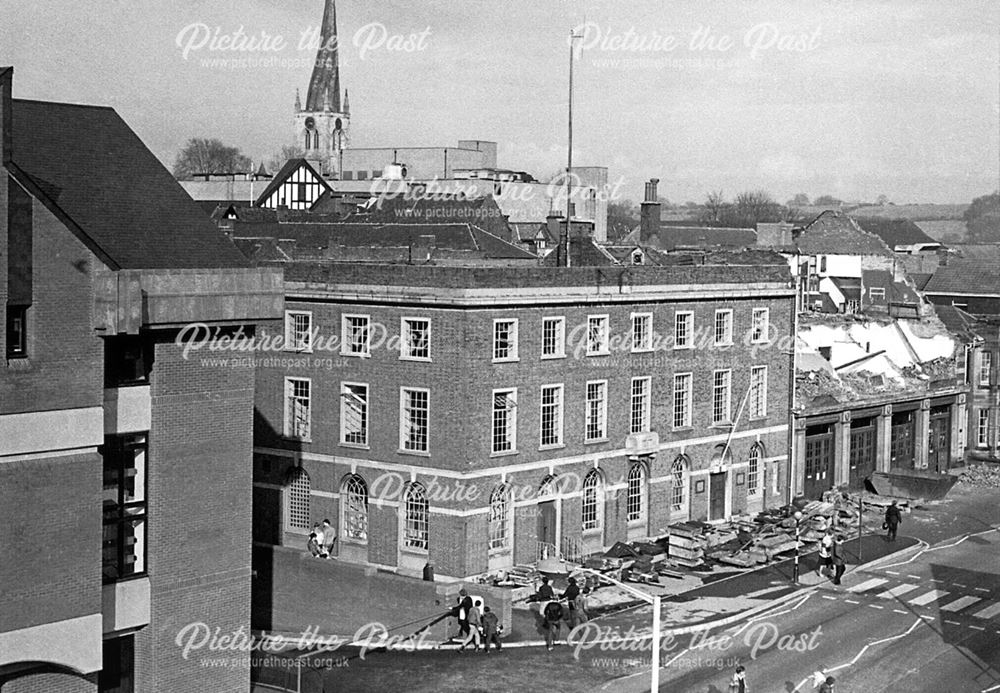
308, 140
678, 483
297, 493
753, 470
415, 518
593, 517
500, 519
635, 502
547, 488
354, 494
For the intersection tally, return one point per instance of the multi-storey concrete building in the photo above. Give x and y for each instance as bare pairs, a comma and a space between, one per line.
473, 418
124, 462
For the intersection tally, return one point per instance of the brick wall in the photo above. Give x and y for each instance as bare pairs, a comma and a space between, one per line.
64, 369
199, 515
50, 557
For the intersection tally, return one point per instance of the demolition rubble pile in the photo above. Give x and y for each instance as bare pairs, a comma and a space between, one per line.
982, 475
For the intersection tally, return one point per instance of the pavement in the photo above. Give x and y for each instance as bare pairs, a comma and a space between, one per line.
723, 601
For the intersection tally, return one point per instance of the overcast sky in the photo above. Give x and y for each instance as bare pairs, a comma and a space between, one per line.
845, 97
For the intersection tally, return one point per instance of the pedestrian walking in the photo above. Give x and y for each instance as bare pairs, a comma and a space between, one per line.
474, 635
329, 537
839, 565
553, 613
570, 595
491, 629
824, 568
462, 612
738, 684
827, 686
580, 607
893, 519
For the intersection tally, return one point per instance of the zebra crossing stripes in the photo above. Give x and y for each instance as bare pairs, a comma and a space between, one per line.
960, 603
897, 591
928, 597
988, 612
867, 585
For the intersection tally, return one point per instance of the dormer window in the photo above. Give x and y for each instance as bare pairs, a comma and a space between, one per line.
637, 258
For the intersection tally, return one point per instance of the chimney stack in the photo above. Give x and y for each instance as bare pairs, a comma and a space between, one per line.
6, 77
649, 214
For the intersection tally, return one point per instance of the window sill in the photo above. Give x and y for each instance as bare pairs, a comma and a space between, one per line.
552, 357
19, 363
641, 522
508, 360
683, 429
504, 453
505, 551
298, 351
293, 439
360, 355
551, 446
418, 359
593, 532
643, 350
415, 453
603, 352
683, 347
756, 342
723, 344
125, 578
355, 446
595, 441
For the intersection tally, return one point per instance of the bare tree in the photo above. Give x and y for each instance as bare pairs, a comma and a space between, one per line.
715, 206
201, 155
278, 159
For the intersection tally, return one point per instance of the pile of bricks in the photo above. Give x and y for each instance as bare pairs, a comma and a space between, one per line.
982, 476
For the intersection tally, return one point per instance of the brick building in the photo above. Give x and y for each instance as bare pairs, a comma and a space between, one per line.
124, 466
474, 418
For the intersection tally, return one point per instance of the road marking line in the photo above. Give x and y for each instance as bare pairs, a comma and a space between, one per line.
927, 598
960, 604
876, 606
980, 589
959, 584
891, 572
832, 598
897, 591
851, 602
898, 611
867, 585
954, 623
766, 590
989, 612
913, 577
977, 628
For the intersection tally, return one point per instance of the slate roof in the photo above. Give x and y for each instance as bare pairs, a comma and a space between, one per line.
480, 211
957, 321
95, 174
669, 237
895, 232
301, 239
965, 275
583, 252
835, 233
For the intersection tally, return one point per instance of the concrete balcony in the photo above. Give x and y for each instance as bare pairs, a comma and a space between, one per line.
126, 409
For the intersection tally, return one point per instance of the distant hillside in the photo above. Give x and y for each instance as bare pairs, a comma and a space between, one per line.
913, 212
947, 231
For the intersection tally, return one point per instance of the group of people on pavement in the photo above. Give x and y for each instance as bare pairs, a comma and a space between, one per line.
321, 540
474, 627
554, 614
831, 559
820, 681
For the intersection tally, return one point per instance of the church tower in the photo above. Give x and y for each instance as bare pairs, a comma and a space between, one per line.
321, 127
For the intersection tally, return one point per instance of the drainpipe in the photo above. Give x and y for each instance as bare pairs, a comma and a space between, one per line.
791, 395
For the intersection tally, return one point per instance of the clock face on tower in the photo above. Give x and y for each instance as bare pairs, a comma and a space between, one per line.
310, 123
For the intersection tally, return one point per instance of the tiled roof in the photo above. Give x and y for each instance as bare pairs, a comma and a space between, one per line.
480, 211
669, 237
315, 239
835, 233
895, 232
94, 173
964, 275
957, 320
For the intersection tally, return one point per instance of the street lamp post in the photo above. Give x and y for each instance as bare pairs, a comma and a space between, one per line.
654, 599
798, 529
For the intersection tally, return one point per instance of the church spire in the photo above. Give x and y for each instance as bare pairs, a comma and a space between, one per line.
347, 103
324, 87
298, 101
